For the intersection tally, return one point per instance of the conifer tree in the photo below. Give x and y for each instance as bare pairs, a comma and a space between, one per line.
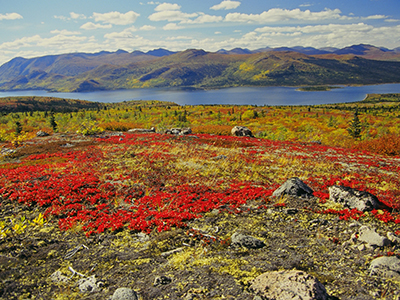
18, 127
355, 128
53, 123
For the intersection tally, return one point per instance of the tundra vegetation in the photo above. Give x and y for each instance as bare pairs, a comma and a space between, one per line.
93, 199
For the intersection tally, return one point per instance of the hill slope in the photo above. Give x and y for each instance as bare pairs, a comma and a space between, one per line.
160, 206
195, 68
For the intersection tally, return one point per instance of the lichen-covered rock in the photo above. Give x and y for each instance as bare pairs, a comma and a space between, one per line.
385, 266
295, 285
241, 131
294, 187
371, 237
58, 277
124, 294
239, 239
353, 198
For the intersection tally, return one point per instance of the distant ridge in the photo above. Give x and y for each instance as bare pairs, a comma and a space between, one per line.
79, 72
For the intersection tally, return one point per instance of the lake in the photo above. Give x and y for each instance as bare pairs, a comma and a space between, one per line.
235, 95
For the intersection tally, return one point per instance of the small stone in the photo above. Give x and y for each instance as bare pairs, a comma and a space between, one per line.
292, 211
220, 157
393, 238
41, 133
361, 247
169, 253
243, 240
88, 285
124, 294
58, 277
162, 280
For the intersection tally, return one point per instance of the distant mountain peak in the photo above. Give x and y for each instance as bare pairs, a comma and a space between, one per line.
235, 51
160, 52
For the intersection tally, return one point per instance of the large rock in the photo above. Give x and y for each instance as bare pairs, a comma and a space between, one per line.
371, 237
385, 266
142, 130
353, 198
294, 285
294, 187
179, 131
124, 294
241, 131
239, 239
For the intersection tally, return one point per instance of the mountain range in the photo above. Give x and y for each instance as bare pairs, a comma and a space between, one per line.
78, 72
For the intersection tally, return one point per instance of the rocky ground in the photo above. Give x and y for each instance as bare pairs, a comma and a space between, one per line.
198, 262
215, 257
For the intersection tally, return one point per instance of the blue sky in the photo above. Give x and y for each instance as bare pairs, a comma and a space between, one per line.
42, 27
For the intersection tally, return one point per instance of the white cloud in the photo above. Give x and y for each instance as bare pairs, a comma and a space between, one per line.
60, 17
171, 16
116, 18
77, 16
203, 18
92, 26
392, 20
375, 17
22, 42
64, 32
226, 4
172, 26
279, 15
167, 6
180, 37
331, 35
218, 32
10, 16
124, 34
147, 27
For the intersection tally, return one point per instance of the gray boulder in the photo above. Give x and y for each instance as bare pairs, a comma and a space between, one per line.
124, 294
179, 131
293, 284
294, 187
239, 239
241, 131
371, 237
385, 266
353, 198
41, 133
142, 130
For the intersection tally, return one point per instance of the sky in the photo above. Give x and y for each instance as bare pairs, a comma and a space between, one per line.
33, 28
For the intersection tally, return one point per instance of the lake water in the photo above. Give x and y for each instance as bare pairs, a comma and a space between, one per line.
235, 95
